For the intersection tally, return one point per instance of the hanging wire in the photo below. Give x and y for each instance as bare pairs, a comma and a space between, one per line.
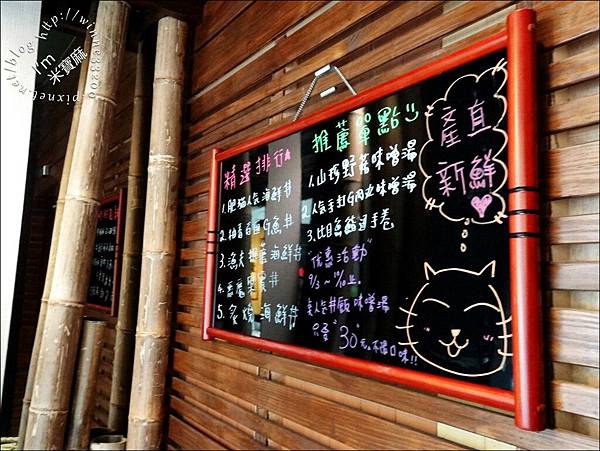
318, 74
306, 96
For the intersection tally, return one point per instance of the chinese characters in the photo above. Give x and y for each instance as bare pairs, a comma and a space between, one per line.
381, 123
461, 160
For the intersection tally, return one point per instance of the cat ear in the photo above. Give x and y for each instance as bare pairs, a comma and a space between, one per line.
429, 271
489, 270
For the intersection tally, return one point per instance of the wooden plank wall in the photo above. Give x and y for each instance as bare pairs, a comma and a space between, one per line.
252, 63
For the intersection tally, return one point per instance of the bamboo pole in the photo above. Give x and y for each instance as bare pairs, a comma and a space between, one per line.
64, 180
153, 322
88, 362
58, 348
132, 250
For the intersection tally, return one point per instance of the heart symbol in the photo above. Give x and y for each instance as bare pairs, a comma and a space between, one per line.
481, 204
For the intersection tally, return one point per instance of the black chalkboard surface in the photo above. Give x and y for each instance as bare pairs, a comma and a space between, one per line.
103, 288
380, 233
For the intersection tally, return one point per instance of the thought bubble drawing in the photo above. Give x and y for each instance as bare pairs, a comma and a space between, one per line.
461, 159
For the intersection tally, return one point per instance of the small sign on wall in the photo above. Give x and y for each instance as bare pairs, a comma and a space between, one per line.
103, 291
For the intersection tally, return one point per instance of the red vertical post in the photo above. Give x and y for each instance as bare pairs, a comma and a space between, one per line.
211, 244
523, 206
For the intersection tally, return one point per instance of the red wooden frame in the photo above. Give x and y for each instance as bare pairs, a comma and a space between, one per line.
114, 308
528, 398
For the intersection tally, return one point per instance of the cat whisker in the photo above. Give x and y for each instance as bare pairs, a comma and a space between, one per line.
505, 336
407, 312
410, 343
404, 327
504, 354
508, 320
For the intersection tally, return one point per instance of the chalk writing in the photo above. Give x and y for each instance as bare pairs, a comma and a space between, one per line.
333, 305
262, 165
321, 142
269, 194
342, 135
255, 282
282, 315
391, 186
236, 259
320, 234
440, 319
271, 226
388, 119
352, 223
346, 254
467, 188
366, 161
105, 254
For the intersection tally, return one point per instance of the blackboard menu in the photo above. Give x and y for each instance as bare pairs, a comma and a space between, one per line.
104, 283
379, 234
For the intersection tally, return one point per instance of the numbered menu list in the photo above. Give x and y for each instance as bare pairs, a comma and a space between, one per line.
101, 292
302, 223
325, 237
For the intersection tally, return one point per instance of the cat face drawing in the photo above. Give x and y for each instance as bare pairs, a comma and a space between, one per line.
457, 322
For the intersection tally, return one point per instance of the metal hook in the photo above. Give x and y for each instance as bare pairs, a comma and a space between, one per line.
318, 74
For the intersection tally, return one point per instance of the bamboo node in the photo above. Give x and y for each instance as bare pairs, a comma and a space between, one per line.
42, 411
125, 330
142, 420
104, 98
65, 303
131, 254
167, 80
85, 200
153, 335
167, 161
160, 254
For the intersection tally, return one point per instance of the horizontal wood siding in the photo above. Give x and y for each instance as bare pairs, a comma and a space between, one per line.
252, 63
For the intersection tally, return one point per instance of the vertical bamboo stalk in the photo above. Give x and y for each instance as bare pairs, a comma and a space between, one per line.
58, 348
132, 250
64, 180
153, 322
90, 349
